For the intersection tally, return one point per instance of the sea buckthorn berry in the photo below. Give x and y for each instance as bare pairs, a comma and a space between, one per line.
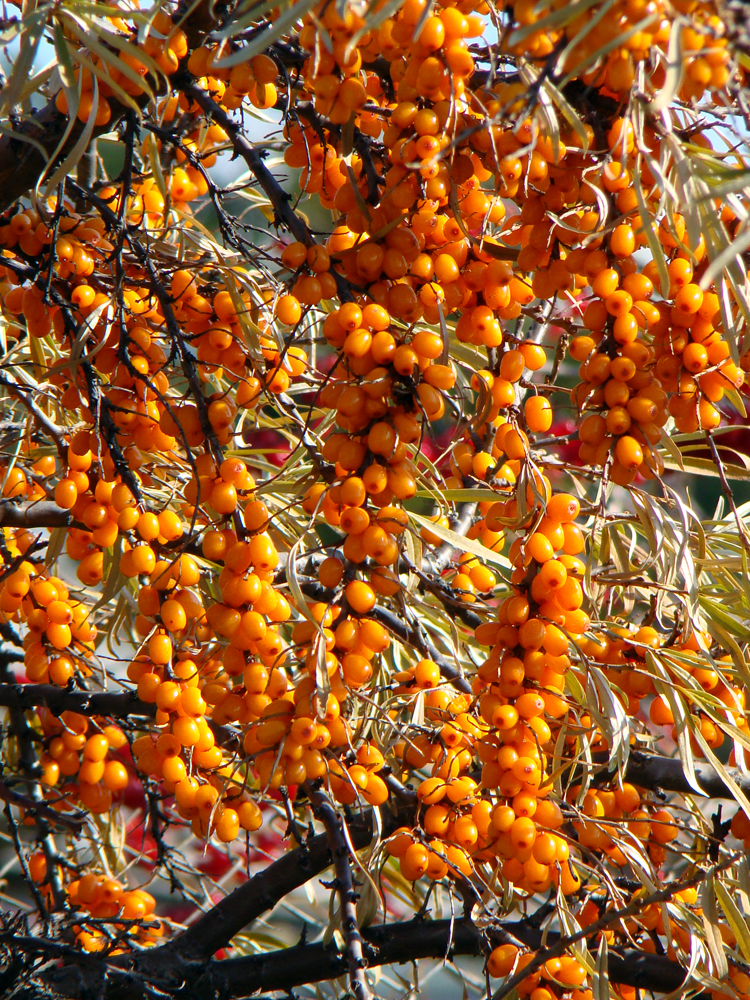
502, 960
538, 414
288, 310
414, 862
360, 596
563, 507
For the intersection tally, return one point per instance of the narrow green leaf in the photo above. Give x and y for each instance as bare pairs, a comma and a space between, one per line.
710, 919
735, 919
461, 543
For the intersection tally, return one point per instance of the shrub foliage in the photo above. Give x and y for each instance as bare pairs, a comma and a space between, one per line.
372, 458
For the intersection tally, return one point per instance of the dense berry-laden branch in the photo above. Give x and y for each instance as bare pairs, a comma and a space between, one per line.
611, 917
288, 655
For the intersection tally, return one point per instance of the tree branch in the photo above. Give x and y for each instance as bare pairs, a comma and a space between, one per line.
610, 917
245, 149
384, 944
437, 561
40, 808
344, 883
402, 630
216, 928
278, 197
25, 155
406, 942
654, 771
192, 950
58, 700
43, 514
24, 393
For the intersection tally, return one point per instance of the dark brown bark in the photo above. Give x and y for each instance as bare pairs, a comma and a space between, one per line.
407, 942
654, 771
261, 893
304, 964
44, 514
356, 962
22, 162
58, 700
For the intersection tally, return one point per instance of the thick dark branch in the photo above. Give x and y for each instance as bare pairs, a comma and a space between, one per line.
22, 162
58, 700
649, 770
199, 19
407, 942
172, 963
218, 926
654, 771
44, 514
385, 944
35, 807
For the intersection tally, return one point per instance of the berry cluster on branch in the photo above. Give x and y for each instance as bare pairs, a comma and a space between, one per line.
378, 512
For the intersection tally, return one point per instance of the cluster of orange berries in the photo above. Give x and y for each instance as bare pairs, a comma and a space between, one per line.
18, 482
424, 227
60, 635
627, 647
644, 28
183, 753
645, 361
84, 751
104, 898
251, 78
566, 976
